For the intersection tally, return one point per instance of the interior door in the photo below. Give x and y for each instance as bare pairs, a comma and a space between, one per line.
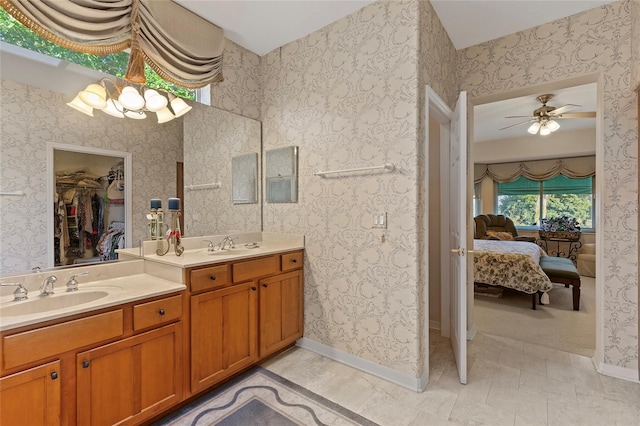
458, 234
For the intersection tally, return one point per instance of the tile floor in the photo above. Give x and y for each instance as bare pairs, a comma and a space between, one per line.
509, 383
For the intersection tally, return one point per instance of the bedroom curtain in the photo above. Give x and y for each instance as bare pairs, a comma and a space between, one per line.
576, 167
178, 45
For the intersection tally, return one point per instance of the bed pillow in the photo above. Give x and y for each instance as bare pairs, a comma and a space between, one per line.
505, 236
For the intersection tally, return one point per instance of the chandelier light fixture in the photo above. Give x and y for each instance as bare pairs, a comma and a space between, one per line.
127, 100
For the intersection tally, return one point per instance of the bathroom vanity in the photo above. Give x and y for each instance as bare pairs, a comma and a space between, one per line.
169, 328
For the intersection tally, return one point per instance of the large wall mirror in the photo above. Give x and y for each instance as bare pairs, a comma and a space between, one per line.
281, 177
244, 182
33, 114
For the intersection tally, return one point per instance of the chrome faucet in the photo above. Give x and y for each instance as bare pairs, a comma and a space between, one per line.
46, 289
224, 241
72, 284
210, 246
20, 293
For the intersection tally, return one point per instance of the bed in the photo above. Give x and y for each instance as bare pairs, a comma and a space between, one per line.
511, 264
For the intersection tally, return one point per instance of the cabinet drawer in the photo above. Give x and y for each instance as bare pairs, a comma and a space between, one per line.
22, 348
250, 269
158, 312
291, 261
210, 278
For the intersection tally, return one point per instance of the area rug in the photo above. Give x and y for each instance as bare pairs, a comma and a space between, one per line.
260, 397
555, 325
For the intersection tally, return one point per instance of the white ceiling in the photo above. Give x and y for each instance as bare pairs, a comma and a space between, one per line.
489, 118
263, 25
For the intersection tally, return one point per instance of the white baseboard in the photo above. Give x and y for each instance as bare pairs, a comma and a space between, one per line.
434, 324
618, 372
417, 384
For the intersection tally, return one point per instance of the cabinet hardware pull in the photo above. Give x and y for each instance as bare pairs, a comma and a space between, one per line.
254, 288
54, 375
86, 364
294, 260
161, 311
265, 285
212, 277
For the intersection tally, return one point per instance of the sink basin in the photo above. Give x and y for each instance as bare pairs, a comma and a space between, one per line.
38, 304
232, 252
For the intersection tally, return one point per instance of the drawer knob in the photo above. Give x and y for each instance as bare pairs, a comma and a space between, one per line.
265, 285
161, 311
54, 375
86, 364
212, 277
254, 288
294, 260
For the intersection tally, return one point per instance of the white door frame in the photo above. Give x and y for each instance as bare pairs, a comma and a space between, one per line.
435, 107
51, 185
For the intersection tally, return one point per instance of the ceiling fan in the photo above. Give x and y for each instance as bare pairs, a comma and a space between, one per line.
544, 118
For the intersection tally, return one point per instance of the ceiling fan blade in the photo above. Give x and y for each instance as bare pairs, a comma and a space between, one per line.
519, 116
519, 124
590, 114
565, 108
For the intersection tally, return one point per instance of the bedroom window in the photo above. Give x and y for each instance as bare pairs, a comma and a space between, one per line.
477, 199
526, 201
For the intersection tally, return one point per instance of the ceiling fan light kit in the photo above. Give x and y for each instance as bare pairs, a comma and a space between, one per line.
544, 118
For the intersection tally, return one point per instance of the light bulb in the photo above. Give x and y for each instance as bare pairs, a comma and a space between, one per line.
553, 125
165, 115
179, 107
544, 131
155, 101
114, 108
533, 129
131, 99
94, 95
78, 105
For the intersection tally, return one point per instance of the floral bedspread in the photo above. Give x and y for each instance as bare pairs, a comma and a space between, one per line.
512, 264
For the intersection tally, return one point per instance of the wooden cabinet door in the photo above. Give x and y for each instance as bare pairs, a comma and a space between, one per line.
31, 397
281, 308
130, 380
223, 333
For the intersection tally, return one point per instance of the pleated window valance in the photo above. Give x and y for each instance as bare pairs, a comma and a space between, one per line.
177, 44
539, 170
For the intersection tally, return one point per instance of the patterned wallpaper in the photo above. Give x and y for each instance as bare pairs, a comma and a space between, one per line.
212, 137
596, 41
29, 118
346, 96
241, 90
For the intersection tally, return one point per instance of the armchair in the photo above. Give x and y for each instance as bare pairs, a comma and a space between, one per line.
488, 224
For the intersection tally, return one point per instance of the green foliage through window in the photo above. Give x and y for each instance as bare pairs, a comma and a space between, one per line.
526, 201
13, 32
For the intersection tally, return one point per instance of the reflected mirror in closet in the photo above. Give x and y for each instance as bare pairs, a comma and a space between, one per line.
90, 204
282, 175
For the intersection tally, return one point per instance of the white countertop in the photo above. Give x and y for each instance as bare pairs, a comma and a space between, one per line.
114, 291
196, 253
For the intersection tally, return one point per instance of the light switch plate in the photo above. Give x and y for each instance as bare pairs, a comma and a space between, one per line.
380, 220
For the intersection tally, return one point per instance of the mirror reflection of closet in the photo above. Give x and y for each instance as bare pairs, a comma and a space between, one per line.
282, 175
90, 205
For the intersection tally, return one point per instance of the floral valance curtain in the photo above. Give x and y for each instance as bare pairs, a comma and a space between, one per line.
576, 167
181, 47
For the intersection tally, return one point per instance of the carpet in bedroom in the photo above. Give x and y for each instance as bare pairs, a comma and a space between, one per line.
555, 325
260, 397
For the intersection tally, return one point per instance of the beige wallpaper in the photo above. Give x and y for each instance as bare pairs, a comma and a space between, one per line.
212, 137
241, 90
29, 118
347, 96
597, 41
